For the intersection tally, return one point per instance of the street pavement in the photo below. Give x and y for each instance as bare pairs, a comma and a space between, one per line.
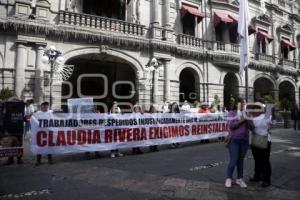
193, 171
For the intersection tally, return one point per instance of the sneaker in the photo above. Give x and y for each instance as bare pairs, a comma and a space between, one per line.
119, 154
112, 155
241, 183
228, 182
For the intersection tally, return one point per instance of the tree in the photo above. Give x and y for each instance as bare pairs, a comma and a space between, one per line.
6, 93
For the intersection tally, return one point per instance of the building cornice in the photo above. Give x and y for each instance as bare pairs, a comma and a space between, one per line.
126, 41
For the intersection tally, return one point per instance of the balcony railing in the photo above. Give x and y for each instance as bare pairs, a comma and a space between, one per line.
285, 62
235, 48
189, 40
102, 23
220, 46
228, 47
264, 57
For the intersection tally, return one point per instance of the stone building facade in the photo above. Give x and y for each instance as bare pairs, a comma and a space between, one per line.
112, 43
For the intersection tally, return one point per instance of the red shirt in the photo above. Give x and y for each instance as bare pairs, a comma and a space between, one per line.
203, 110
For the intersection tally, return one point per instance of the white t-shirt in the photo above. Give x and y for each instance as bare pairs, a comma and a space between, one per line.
261, 125
29, 110
185, 107
165, 108
115, 110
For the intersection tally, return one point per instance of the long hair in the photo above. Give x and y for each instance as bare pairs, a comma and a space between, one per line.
236, 102
174, 108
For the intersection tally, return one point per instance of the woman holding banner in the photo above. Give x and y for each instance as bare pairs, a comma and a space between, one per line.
115, 109
174, 108
239, 142
152, 109
28, 112
137, 109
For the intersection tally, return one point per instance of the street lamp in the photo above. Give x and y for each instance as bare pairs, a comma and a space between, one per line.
52, 56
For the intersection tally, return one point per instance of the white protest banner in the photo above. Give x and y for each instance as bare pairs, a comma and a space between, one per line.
70, 133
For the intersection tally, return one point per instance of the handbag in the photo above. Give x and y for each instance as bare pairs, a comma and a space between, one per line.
227, 141
259, 141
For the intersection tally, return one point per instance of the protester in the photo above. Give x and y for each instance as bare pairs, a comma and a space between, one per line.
96, 109
28, 112
97, 153
115, 109
261, 151
44, 109
203, 108
174, 108
137, 109
219, 110
166, 107
295, 116
238, 129
185, 106
152, 109
224, 110
212, 109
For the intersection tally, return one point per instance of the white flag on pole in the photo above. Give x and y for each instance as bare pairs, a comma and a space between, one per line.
243, 33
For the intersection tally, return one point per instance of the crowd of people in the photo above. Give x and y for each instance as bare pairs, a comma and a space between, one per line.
246, 126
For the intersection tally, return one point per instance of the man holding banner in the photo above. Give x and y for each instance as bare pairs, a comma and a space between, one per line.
44, 109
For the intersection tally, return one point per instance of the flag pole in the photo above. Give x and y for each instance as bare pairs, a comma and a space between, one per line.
244, 43
246, 84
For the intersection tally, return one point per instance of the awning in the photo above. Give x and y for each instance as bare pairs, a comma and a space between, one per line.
234, 18
265, 35
191, 10
221, 17
287, 44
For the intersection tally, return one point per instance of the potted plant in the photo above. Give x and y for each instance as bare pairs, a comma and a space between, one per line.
285, 105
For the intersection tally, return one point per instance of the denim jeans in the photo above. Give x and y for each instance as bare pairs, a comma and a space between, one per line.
237, 151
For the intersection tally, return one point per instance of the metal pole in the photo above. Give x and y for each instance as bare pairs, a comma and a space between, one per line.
51, 78
246, 84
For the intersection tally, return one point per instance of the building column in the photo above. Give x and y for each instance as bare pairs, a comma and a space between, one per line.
166, 14
276, 94
274, 35
155, 96
155, 12
297, 96
63, 4
20, 68
39, 75
167, 80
